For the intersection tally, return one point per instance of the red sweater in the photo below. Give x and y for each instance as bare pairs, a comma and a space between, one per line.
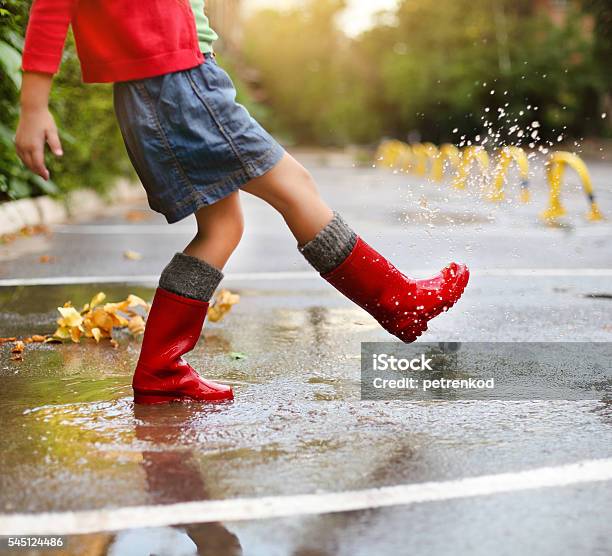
117, 40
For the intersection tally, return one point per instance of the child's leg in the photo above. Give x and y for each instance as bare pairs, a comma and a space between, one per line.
196, 272
292, 191
402, 305
179, 308
220, 228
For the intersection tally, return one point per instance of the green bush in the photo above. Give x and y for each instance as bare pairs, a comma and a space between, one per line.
93, 151
15, 180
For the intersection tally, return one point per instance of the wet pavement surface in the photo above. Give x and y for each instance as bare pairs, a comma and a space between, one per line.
73, 440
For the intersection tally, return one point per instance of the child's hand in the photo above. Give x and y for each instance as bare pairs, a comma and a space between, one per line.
36, 124
37, 127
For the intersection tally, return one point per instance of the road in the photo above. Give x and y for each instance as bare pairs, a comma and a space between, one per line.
73, 441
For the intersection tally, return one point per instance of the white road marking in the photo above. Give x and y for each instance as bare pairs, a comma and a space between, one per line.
149, 278
301, 275
123, 229
541, 272
181, 229
239, 509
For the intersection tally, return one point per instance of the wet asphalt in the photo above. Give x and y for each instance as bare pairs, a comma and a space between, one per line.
72, 438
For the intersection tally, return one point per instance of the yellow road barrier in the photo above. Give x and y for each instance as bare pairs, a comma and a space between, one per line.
405, 158
394, 154
555, 170
420, 159
507, 155
469, 155
423, 153
387, 152
447, 152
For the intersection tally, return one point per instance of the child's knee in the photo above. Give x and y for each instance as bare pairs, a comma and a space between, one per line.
236, 228
304, 180
228, 229
221, 223
298, 188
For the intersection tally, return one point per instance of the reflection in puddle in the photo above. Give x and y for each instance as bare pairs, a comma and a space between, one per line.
211, 539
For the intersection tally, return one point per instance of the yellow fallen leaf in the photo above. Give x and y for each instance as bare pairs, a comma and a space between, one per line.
98, 319
89, 331
132, 255
136, 325
19, 347
97, 299
75, 334
101, 319
118, 320
70, 317
135, 301
114, 307
222, 304
97, 334
63, 333
137, 215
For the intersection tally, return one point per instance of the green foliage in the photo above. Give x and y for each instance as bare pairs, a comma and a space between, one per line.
601, 11
436, 65
15, 180
313, 84
93, 150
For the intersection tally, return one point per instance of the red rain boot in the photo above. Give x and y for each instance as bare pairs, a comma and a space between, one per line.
162, 375
402, 305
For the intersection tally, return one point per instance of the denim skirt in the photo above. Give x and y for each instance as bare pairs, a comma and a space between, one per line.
189, 140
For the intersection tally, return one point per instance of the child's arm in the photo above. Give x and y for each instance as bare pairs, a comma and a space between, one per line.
36, 125
45, 37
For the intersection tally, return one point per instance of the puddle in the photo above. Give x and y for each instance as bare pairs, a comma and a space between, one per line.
439, 217
73, 439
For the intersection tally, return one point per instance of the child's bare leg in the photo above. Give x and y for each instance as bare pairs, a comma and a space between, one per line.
402, 305
196, 272
220, 228
292, 191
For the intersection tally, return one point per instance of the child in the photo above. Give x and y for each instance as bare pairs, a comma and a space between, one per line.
194, 148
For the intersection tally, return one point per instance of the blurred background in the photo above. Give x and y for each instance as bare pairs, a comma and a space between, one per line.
335, 73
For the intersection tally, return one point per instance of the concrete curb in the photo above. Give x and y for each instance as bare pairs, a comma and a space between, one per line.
16, 215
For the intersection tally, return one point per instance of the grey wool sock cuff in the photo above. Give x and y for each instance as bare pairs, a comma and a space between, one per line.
190, 277
331, 246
